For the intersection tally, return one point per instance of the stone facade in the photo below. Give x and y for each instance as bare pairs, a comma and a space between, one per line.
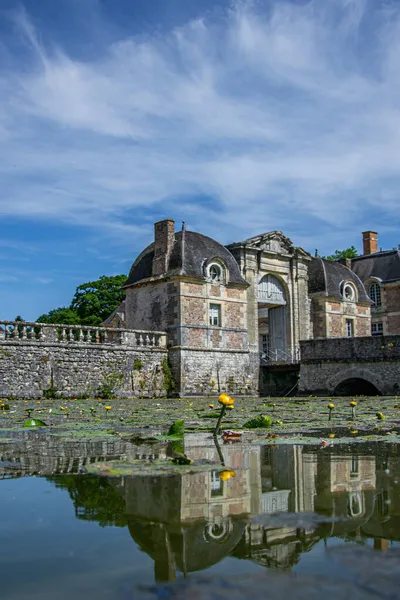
200, 300
379, 270
278, 305
330, 318
225, 307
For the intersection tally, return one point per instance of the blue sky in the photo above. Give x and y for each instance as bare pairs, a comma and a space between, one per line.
236, 117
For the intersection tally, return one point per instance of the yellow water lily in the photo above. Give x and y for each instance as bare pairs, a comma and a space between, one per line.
107, 408
227, 474
226, 400
353, 403
211, 405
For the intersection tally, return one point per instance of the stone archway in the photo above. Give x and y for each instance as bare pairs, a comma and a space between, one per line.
272, 315
355, 375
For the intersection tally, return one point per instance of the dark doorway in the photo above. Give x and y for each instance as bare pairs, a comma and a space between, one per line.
356, 387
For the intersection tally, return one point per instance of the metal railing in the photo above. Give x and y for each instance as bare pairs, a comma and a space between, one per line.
23, 331
279, 355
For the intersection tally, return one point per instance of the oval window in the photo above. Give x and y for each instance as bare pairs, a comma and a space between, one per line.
348, 292
215, 272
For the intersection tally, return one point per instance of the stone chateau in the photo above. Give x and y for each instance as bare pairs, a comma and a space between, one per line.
230, 311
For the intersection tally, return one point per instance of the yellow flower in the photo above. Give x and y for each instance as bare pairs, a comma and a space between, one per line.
380, 415
353, 403
230, 406
354, 431
63, 408
226, 400
227, 474
107, 408
38, 402
211, 405
331, 406
331, 436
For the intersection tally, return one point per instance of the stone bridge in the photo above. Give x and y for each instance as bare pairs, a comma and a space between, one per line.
349, 366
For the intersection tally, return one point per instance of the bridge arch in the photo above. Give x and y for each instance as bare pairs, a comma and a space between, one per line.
353, 381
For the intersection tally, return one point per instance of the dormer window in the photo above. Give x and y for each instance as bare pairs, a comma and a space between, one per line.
215, 272
349, 293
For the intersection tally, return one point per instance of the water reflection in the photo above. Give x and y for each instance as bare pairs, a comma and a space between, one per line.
188, 523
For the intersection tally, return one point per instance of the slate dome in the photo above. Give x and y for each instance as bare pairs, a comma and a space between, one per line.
190, 255
326, 277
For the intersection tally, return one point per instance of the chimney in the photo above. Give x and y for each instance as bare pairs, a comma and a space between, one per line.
346, 262
164, 237
370, 242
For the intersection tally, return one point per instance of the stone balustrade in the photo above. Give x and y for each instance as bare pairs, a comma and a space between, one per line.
23, 331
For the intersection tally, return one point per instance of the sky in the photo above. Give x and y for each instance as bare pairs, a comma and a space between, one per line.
237, 117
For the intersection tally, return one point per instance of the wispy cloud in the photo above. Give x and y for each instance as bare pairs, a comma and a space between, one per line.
285, 115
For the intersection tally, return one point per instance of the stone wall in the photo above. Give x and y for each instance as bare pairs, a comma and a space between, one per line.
209, 372
37, 360
327, 363
152, 306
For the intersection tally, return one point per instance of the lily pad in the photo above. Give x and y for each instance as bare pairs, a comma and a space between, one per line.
35, 423
177, 429
260, 421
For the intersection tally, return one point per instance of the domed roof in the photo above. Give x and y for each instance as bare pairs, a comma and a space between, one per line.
326, 277
190, 254
193, 549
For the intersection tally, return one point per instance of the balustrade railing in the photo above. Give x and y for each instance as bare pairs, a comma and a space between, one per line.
80, 334
277, 355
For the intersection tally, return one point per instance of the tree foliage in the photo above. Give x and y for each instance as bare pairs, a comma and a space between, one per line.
92, 303
62, 315
341, 254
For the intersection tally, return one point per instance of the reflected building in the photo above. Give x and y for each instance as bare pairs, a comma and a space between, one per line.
188, 522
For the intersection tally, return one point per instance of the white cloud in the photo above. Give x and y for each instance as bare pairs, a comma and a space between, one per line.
286, 115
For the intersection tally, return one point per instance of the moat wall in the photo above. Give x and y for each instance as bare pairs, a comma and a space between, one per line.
33, 369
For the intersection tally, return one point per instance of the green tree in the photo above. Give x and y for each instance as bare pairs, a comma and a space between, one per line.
94, 498
340, 254
62, 315
94, 301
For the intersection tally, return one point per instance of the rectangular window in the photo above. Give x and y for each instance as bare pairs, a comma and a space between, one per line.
264, 343
376, 328
349, 328
354, 466
216, 484
215, 315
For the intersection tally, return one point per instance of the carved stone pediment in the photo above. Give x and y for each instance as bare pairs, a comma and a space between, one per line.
272, 241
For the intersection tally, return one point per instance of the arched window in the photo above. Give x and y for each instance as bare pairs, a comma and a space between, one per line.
349, 292
375, 294
215, 272
271, 290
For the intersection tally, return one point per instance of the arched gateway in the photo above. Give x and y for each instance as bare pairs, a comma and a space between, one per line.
272, 310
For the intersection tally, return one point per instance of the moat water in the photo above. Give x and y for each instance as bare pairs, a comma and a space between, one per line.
288, 509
